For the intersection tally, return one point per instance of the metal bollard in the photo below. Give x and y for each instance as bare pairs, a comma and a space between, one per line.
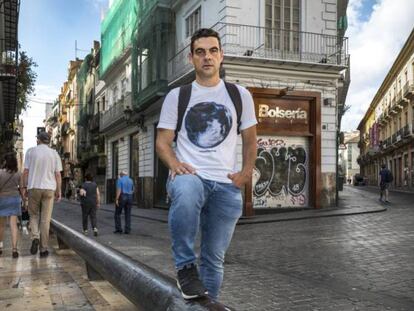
144, 286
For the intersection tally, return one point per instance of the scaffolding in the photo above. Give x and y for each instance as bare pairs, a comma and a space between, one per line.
152, 43
117, 29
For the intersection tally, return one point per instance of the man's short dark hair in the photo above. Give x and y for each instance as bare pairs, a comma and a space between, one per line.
88, 177
383, 165
204, 33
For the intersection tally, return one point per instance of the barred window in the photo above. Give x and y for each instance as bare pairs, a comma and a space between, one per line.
193, 22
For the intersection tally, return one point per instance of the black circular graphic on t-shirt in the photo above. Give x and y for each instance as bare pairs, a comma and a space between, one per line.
208, 124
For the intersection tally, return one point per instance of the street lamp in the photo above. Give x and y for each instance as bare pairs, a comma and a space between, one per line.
127, 114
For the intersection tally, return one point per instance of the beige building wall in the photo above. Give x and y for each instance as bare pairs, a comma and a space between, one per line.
387, 129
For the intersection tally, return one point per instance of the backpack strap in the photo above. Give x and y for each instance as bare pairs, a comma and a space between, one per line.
183, 100
237, 101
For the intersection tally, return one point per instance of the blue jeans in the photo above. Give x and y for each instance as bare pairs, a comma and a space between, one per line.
212, 207
125, 203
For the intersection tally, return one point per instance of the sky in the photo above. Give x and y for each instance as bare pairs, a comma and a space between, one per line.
377, 29
47, 31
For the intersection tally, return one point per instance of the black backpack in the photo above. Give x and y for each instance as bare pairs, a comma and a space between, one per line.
388, 177
185, 95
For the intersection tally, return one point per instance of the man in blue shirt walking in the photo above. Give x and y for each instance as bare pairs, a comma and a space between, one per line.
123, 200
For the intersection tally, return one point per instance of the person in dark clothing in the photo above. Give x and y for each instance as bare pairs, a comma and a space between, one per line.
123, 201
385, 180
90, 201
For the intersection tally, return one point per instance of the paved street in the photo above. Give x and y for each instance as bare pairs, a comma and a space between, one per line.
356, 262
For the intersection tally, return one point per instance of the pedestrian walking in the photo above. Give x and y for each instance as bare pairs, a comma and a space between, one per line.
123, 201
10, 199
90, 202
204, 184
385, 179
42, 179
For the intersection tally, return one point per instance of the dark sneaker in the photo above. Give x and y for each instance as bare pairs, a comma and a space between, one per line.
85, 232
95, 231
118, 231
15, 253
44, 254
189, 282
35, 246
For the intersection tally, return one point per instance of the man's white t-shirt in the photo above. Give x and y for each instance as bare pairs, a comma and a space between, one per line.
208, 136
42, 163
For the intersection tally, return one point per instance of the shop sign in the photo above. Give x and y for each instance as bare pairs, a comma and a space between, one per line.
287, 115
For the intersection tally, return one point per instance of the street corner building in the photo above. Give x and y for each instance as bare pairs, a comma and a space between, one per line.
291, 55
297, 74
386, 131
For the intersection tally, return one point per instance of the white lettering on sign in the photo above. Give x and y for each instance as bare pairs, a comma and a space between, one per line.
266, 112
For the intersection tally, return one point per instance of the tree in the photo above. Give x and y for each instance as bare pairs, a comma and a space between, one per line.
26, 79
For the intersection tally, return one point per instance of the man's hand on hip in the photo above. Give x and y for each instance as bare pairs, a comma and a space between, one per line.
239, 179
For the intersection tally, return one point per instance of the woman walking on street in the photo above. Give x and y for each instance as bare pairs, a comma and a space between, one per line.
90, 201
10, 198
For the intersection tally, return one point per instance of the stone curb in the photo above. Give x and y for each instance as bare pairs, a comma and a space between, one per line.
277, 217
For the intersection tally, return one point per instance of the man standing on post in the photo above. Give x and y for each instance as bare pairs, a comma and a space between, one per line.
42, 180
204, 184
123, 201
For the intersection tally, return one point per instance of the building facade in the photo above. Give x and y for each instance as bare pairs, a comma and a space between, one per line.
291, 55
91, 144
387, 127
348, 156
68, 115
114, 94
9, 49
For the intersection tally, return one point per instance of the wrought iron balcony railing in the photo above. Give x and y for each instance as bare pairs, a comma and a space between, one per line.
406, 130
94, 122
408, 90
8, 59
253, 42
115, 113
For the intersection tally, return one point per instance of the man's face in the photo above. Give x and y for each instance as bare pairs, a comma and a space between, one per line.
206, 57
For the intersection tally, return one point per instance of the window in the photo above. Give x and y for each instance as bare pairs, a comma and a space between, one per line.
124, 83
282, 22
193, 22
114, 95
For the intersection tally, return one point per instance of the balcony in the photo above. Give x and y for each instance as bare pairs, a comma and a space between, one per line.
399, 135
386, 143
270, 45
400, 100
387, 113
394, 107
407, 131
394, 138
115, 114
94, 122
408, 90
8, 60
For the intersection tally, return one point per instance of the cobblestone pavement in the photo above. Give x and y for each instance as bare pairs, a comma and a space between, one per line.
356, 262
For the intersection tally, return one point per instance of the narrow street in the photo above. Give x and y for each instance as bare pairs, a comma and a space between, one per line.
359, 262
